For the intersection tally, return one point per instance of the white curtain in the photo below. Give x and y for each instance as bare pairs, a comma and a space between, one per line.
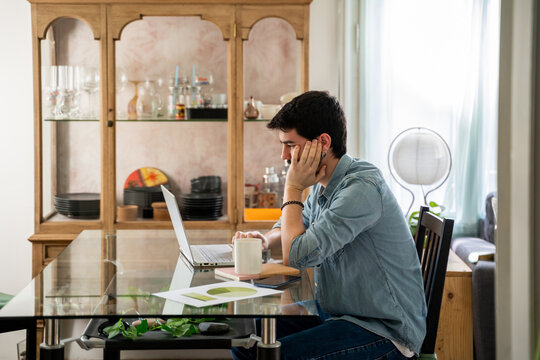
434, 64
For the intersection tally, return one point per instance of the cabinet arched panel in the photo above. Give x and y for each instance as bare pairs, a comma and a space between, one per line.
295, 15
121, 15
45, 15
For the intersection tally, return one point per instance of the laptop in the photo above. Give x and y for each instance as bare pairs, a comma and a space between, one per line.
198, 255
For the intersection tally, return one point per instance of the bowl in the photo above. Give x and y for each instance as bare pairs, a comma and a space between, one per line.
285, 98
269, 110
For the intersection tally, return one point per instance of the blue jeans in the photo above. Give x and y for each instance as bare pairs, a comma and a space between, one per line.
310, 338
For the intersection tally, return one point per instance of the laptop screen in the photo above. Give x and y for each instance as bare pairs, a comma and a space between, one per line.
176, 219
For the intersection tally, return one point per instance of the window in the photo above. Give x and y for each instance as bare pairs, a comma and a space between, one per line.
427, 63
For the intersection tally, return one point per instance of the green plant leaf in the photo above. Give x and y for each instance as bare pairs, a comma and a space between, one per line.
142, 327
130, 332
111, 331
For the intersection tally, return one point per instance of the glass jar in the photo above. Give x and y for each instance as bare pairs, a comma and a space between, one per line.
149, 101
268, 196
175, 97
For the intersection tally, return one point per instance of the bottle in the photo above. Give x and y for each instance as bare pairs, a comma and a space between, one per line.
270, 188
251, 111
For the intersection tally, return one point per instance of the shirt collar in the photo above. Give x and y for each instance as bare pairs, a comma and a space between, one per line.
339, 172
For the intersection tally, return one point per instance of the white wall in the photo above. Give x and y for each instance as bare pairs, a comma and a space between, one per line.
16, 146
323, 51
16, 156
16, 135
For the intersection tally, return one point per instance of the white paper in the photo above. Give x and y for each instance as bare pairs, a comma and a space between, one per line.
218, 293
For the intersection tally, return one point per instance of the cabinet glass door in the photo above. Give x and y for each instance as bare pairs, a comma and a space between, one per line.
171, 119
70, 79
272, 56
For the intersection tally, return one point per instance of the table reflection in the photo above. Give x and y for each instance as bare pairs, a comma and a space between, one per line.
114, 274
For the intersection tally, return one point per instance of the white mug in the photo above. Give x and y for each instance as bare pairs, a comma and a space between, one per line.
247, 256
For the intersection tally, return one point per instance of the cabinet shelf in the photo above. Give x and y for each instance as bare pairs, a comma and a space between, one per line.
145, 120
158, 120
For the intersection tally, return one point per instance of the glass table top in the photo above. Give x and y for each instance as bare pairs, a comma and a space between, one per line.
103, 274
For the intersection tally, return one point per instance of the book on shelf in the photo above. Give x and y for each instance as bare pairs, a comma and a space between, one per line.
268, 270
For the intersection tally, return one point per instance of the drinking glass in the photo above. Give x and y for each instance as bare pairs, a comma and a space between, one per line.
67, 102
50, 90
90, 84
69, 98
121, 84
204, 82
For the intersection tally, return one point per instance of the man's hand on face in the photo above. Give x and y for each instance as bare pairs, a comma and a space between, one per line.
304, 170
252, 234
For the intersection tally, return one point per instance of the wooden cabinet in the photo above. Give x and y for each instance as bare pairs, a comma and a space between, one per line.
455, 331
91, 59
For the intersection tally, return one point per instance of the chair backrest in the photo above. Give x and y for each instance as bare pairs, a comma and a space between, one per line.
433, 237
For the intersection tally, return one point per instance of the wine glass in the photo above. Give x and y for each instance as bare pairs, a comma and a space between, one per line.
90, 84
67, 104
50, 90
121, 84
72, 91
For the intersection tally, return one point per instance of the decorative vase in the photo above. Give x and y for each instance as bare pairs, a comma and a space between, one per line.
251, 111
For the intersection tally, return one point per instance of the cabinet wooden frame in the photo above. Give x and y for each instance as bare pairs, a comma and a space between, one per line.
106, 20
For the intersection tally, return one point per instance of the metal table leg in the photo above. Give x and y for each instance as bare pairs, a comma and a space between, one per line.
52, 348
268, 348
31, 338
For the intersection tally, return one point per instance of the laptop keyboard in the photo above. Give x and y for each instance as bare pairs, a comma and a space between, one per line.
212, 254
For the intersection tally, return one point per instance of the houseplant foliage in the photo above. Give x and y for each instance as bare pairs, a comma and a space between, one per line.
175, 327
434, 208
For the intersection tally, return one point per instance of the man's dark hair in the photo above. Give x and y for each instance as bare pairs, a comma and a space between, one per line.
311, 114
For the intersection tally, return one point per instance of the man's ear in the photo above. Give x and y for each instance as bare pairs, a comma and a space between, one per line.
325, 140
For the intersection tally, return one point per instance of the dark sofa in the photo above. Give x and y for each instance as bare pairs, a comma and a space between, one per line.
478, 253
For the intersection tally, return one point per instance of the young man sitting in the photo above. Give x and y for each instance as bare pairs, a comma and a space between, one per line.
351, 230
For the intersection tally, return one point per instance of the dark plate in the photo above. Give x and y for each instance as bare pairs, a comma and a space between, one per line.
78, 196
201, 219
60, 208
148, 189
201, 196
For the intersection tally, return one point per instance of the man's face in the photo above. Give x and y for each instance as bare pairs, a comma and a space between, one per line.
289, 140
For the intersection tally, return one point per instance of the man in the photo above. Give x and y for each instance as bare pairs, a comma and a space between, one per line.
367, 277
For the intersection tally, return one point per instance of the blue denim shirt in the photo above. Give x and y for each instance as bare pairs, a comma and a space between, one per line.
366, 269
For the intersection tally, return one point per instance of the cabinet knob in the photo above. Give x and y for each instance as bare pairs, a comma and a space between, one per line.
110, 123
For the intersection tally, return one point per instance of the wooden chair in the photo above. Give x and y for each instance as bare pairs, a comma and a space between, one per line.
433, 237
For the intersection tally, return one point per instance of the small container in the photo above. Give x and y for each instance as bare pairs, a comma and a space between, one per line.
250, 196
126, 212
160, 211
180, 111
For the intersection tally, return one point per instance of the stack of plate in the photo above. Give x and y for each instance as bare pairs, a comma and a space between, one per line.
201, 206
78, 205
143, 197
